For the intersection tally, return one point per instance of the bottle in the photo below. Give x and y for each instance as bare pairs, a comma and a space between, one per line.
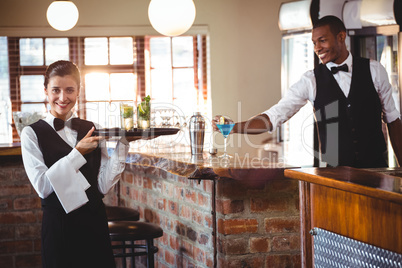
197, 131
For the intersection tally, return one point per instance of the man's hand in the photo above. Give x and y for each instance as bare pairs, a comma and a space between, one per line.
88, 143
255, 125
217, 120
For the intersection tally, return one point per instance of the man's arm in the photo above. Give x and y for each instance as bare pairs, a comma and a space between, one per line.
395, 135
255, 125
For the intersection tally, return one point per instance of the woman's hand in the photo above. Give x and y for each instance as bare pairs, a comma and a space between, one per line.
88, 143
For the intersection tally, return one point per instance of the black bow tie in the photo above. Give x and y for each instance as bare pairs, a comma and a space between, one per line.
59, 123
343, 68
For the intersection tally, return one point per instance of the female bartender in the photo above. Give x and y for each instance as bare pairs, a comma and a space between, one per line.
71, 171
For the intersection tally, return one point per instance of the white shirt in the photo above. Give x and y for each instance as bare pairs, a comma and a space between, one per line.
305, 90
64, 177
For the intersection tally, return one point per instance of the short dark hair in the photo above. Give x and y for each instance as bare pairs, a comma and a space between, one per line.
62, 68
334, 23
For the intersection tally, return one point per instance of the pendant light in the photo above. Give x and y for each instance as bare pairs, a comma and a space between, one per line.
171, 17
62, 15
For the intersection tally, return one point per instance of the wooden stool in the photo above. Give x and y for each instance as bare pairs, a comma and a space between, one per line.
115, 213
131, 231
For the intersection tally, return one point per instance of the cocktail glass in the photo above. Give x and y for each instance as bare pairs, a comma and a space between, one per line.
225, 129
166, 115
127, 115
144, 113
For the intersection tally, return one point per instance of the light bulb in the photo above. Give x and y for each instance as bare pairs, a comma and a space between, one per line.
62, 15
171, 17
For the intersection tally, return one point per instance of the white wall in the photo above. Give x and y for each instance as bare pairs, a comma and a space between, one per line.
245, 42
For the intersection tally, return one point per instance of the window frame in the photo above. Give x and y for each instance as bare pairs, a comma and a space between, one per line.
76, 54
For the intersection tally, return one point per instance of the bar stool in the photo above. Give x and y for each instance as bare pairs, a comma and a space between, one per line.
131, 231
115, 213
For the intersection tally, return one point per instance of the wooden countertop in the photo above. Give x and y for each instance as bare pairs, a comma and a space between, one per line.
179, 161
7, 149
248, 169
378, 183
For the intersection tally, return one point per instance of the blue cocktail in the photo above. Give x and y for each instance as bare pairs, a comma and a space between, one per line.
225, 130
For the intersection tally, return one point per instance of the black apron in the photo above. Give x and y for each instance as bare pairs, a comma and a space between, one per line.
81, 237
350, 128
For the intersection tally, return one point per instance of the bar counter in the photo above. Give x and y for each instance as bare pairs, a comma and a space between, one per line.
244, 212
215, 213
248, 169
361, 204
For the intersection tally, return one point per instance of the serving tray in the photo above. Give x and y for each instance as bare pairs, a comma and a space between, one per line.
149, 132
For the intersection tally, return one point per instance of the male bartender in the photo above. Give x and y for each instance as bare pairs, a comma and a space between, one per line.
351, 97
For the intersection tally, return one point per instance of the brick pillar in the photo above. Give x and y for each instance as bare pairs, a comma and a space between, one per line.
20, 218
257, 226
181, 207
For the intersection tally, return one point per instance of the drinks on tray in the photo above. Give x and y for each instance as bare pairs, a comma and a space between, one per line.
144, 113
127, 115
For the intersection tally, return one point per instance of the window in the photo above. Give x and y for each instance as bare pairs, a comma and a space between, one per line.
31, 52
173, 71
110, 76
113, 69
298, 132
5, 104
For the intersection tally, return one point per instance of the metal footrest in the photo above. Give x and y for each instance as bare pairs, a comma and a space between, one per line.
133, 250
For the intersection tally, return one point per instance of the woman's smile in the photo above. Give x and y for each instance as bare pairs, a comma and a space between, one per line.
62, 93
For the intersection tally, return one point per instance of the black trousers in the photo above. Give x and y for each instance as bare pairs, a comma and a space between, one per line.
76, 240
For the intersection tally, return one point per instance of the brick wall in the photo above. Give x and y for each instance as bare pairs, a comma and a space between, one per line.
257, 226
20, 217
181, 207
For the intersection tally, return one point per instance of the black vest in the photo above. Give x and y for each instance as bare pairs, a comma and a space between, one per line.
53, 148
350, 129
